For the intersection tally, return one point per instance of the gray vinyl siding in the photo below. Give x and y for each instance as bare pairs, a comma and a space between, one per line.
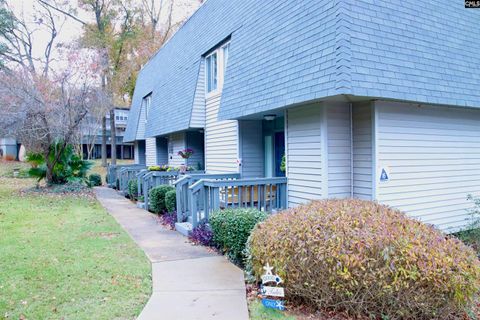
251, 148
176, 143
198, 110
221, 140
162, 151
139, 152
195, 142
306, 172
141, 123
362, 151
151, 151
433, 155
339, 150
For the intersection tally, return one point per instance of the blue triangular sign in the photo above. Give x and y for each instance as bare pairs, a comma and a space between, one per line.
384, 175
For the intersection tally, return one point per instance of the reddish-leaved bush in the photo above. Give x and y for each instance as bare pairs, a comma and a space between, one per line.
366, 259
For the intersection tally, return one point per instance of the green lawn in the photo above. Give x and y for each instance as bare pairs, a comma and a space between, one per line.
6, 167
64, 257
259, 312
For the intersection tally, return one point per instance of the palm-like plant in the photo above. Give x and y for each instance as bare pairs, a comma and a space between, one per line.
69, 167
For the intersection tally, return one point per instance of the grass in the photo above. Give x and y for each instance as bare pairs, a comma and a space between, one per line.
6, 167
259, 312
64, 257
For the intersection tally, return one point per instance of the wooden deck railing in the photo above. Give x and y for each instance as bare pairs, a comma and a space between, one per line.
113, 170
183, 184
125, 174
140, 181
154, 179
208, 195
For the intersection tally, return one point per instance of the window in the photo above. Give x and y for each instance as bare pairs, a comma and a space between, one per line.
117, 118
147, 101
226, 49
212, 70
215, 65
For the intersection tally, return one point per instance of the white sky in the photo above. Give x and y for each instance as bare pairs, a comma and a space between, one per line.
72, 30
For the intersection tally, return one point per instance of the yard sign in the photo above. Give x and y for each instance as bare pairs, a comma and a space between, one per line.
272, 291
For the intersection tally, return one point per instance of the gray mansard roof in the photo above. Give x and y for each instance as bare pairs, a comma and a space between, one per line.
290, 51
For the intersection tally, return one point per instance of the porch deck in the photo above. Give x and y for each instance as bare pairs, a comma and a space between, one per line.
207, 195
200, 194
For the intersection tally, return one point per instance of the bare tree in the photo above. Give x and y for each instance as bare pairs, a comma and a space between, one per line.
38, 105
126, 35
90, 129
41, 111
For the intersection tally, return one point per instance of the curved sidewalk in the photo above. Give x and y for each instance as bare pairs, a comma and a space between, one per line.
189, 282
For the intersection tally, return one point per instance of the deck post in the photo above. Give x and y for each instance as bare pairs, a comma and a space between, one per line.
194, 209
180, 208
145, 192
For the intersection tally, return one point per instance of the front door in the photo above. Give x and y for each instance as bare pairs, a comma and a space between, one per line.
274, 147
279, 148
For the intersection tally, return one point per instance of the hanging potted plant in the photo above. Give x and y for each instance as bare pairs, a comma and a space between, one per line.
185, 153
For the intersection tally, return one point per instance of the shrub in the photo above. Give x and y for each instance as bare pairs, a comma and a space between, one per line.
169, 219
69, 167
157, 198
94, 180
202, 234
158, 168
133, 189
471, 234
231, 229
171, 200
366, 258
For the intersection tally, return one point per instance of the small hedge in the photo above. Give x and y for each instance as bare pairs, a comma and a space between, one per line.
157, 198
231, 229
171, 201
133, 189
158, 168
94, 180
366, 259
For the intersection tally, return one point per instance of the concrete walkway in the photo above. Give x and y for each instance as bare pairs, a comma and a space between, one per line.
189, 282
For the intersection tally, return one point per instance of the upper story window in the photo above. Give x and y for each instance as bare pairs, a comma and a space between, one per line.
225, 49
215, 66
147, 102
212, 72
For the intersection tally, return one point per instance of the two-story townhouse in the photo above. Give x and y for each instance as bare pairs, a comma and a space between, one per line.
370, 99
91, 136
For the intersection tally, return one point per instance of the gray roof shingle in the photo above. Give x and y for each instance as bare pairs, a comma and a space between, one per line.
290, 51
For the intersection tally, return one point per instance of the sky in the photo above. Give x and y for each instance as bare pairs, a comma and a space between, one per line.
71, 29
